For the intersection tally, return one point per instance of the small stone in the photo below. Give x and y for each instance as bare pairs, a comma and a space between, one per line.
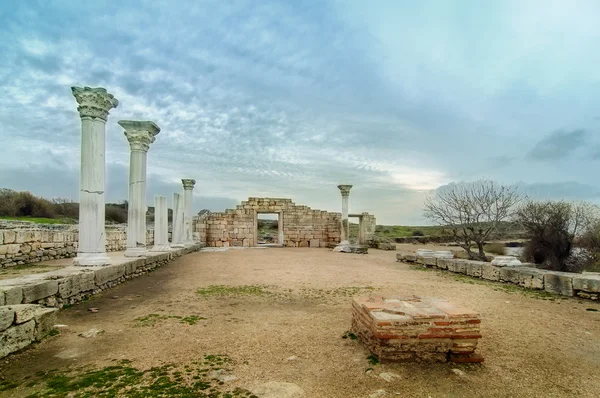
378, 393
92, 333
459, 373
388, 376
93, 309
292, 358
60, 326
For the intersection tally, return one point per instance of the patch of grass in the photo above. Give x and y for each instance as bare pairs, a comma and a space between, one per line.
591, 309
153, 319
41, 220
53, 332
192, 319
349, 335
125, 380
232, 291
349, 291
507, 287
373, 360
402, 231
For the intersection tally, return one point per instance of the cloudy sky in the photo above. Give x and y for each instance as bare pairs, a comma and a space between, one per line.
291, 98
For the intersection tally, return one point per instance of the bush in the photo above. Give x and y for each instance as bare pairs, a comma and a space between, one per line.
27, 205
116, 214
552, 228
496, 248
417, 233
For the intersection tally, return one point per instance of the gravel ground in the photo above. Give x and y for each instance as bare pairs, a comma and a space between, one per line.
280, 315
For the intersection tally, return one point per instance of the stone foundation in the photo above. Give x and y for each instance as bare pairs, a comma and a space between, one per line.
416, 329
22, 324
585, 285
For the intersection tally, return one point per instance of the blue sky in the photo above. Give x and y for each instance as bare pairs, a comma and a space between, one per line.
292, 98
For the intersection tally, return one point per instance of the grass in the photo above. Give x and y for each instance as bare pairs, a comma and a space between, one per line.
153, 319
402, 231
41, 220
232, 291
122, 379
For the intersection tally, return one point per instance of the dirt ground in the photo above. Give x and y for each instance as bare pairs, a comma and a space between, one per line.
280, 315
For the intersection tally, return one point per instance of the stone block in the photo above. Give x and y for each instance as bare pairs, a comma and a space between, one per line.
314, 243
7, 317
75, 284
490, 272
587, 282
506, 261
39, 290
442, 263
459, 266
430, 261
12, 294
13, 248
9, 237
531, 278
108, 273
510, 274
44, 318
559, 283
475, 268
3, 249
16, 338
23, 312
20, 237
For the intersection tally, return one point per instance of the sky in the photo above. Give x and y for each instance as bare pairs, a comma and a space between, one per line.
285, 98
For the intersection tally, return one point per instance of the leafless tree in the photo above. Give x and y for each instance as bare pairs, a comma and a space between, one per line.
552, 227
472, 211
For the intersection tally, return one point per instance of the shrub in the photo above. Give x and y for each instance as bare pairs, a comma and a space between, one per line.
552, 228
417, 233
115, 214
496, 248
27, 205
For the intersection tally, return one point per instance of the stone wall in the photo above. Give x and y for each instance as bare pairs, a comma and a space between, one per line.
20, 246
302, 226
27, 303
586, 285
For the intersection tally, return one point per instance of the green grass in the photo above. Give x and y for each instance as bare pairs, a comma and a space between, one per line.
232, 291
41, 220
402, 231
154, 319
122, 379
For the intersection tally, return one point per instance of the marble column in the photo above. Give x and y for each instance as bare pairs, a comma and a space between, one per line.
140, 135
161, 225
345, 232
188, 186
177, 230
94, 105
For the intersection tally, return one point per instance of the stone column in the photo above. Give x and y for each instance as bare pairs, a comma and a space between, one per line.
140, 135
345, 232
177, 232
161, 225
94, 105
188, 186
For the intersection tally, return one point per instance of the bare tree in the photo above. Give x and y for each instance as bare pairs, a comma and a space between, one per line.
552, 227
472, 211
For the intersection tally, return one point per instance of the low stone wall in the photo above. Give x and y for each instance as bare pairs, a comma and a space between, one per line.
27, 302
562, 283
23, 246
22, 324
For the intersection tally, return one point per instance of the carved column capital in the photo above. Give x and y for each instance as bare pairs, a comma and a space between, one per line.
94, 103
139, 133
188, 183
345, 190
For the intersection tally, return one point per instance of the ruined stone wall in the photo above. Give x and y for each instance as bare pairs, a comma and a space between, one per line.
369, 224
23, 246
302, 226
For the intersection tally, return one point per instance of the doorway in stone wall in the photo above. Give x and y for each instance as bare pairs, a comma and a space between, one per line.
353, 229
269, 229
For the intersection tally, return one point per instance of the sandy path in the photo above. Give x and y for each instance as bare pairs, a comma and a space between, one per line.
532, 347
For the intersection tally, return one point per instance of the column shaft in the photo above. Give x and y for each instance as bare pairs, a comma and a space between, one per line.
161, 226
136, 212
177, 233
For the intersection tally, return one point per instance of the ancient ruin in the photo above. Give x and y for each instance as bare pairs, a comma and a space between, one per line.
299, 226
94, 105
398, 329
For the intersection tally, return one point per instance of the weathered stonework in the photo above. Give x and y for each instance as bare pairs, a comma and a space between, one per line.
301, 225
416, 329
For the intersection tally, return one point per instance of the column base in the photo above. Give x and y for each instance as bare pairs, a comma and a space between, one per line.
189, 243
135, 252
91, 259
177, 246
161, 248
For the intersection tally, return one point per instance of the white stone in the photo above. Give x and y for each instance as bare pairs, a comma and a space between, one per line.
506, 261
443, 254
425, 253
140, 135
188, 186
161, 226
94, 105
177, 232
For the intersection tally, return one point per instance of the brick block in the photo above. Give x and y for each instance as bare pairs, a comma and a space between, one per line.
559, 283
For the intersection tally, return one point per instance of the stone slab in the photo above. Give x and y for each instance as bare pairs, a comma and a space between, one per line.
16, 338
587, 282
559, 283
39, 290
475, 268
531, 278
490, 272
12, 294
7, 317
